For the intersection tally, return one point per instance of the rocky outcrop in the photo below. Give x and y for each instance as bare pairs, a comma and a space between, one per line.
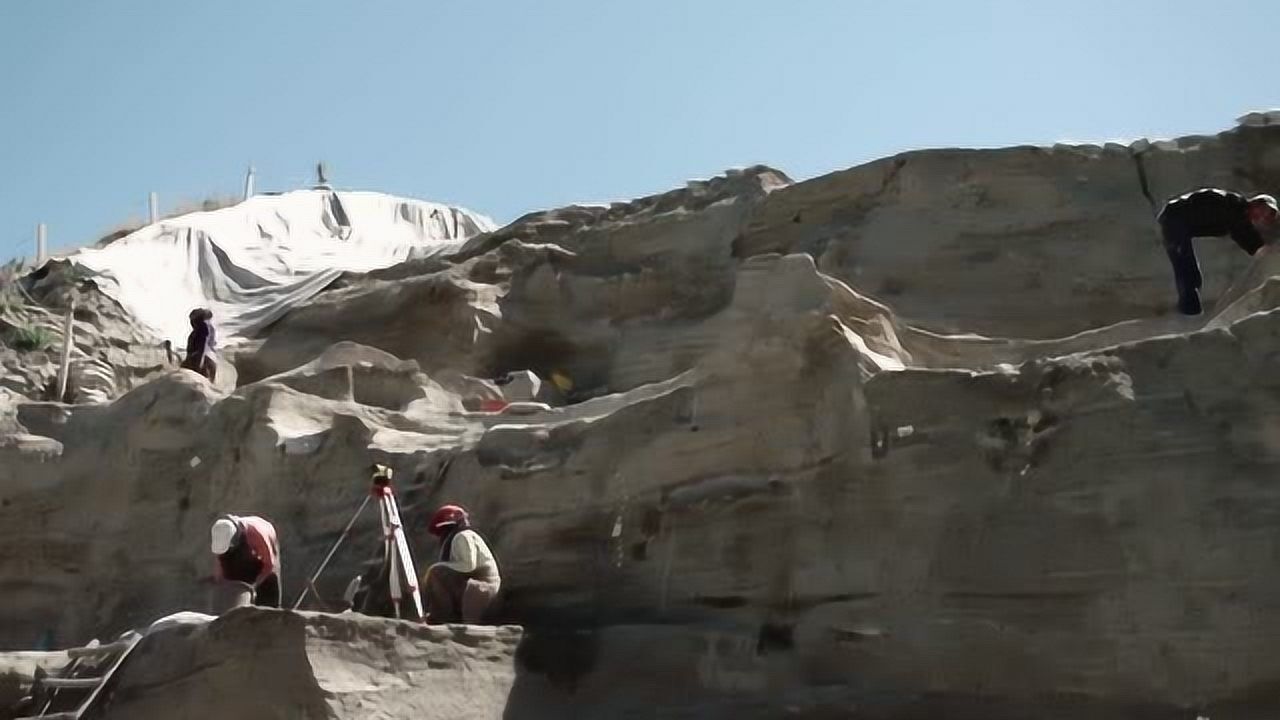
1024, 242
916, 438
110, 354
270, 664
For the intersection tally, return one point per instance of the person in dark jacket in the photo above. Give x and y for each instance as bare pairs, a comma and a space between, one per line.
200, 344
1210, 212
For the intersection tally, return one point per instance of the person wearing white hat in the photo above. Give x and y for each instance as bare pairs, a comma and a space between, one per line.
1210, 212
247, 551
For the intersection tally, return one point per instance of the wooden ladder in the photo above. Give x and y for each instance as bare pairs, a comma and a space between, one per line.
76, 687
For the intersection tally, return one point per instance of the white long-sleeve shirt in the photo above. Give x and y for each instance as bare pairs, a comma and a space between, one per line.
470, 555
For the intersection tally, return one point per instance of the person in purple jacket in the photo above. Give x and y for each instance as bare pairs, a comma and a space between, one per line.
200, 344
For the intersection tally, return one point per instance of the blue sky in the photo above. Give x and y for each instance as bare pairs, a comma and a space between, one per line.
506, 107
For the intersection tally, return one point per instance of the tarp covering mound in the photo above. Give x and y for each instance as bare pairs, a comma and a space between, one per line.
251, 262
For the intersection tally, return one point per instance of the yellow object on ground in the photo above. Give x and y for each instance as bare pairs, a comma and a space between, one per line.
562, 381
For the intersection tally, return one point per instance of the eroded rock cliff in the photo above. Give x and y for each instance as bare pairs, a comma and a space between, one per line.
920, 436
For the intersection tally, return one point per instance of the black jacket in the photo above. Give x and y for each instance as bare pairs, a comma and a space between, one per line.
1210, 212
198, 340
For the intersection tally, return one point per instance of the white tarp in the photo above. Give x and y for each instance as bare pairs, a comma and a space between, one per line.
252, 262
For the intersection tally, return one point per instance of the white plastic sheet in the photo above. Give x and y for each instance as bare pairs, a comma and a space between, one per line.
252, 262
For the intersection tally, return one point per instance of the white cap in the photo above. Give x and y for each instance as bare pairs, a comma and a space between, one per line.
222, 533
1267, 200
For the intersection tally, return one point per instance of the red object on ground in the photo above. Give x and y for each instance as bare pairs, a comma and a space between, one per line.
493, 405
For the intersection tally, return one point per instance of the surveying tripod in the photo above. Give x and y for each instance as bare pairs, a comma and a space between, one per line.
397, 560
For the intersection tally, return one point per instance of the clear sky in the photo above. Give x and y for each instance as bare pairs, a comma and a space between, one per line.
506, 107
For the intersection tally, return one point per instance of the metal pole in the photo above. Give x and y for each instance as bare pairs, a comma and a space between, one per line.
42, 243
403, 554
65, 369
343, 536
153, 205
248, 183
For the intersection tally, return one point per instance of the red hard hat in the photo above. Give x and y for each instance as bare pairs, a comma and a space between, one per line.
445, 517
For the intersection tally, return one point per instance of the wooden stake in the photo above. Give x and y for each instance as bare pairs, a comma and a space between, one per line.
64, 370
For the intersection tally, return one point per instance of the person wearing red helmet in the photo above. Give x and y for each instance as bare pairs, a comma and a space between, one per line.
465, 581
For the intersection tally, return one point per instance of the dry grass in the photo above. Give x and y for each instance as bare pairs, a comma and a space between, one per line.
17, 330
10, 297
29, 338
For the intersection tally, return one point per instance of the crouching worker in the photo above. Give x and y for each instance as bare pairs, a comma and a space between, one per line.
465, 582
248, 552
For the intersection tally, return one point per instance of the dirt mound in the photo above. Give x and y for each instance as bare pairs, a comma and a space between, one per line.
255, 663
